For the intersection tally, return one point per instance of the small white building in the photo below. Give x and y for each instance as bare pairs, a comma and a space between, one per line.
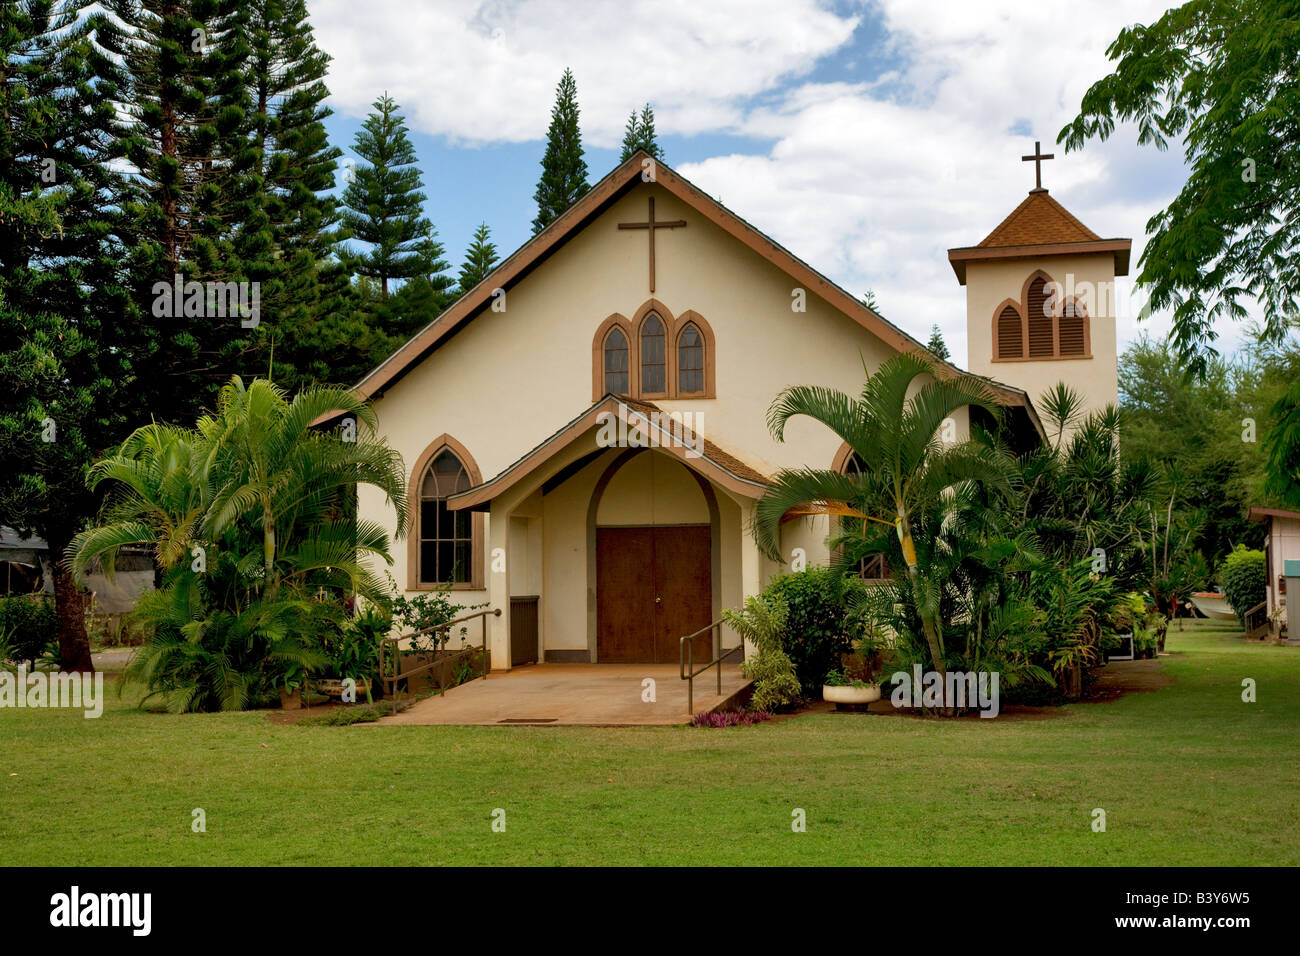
1281, 545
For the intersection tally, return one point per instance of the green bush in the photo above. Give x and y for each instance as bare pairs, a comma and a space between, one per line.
775, 685
27, 627
815, 633
761, 622
1244, 579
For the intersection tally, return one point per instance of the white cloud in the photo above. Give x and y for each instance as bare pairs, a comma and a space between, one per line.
486, 71
873, 188
871, 183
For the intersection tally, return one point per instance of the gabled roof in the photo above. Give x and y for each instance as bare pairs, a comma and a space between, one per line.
1038, 220
600, 197
1039, 226
680, 441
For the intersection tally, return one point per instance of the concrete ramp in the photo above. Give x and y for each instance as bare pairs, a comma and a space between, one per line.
609, 695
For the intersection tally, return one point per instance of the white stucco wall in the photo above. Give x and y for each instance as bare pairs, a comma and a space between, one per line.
508, 380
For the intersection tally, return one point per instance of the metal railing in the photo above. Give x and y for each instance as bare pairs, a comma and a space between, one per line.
1256, 620
390, 681
686, 660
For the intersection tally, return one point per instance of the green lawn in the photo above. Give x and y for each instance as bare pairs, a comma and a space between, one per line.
1187, 775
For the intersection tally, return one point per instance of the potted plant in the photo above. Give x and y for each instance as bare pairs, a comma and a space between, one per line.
855, 683
841, 689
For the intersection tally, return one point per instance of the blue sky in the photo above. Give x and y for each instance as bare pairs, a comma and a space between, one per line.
867, 137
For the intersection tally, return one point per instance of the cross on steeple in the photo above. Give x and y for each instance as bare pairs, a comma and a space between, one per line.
650, 225
1037, 160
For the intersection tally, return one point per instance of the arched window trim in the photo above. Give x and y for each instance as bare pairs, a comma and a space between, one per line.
673, 326
679, 349
477, 523
840, 463
598, 356
1022, 306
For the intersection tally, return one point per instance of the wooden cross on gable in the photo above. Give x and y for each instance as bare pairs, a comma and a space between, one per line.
1037, 160
650, 225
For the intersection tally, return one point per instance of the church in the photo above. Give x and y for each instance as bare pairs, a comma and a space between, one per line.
585, 431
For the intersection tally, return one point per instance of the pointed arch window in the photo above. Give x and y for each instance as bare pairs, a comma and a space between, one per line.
654, 356
690, 360
446, 537
873, 567
617, 366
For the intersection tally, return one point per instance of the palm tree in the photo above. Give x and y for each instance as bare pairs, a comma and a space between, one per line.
159, 501
264, 500
906, 469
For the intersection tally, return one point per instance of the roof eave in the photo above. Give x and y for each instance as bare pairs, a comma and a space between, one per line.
1120, 249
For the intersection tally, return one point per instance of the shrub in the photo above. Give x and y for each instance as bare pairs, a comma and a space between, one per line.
27, 627
1244, 579
815, 633
762, 621
775, 685
730, 718
353, 651
429, 609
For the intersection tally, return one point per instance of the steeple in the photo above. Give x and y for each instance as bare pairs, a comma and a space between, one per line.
1040, 299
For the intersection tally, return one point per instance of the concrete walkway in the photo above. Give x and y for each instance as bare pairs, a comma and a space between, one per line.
113, 658
552, 695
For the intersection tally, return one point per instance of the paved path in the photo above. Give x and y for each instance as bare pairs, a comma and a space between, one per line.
113, 659
573, 694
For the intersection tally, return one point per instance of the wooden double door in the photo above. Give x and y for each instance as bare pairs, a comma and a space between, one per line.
654, 586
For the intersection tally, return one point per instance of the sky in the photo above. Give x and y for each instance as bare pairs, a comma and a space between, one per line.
866, 137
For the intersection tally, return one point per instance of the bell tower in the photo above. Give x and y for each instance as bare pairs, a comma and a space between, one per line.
1040, 300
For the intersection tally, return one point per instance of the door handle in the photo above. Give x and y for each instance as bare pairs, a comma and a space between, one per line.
658, 600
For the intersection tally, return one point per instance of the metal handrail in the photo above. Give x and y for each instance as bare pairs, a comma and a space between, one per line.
686, 660
390, 681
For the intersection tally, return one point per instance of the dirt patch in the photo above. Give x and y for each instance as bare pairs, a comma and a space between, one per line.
1128, 677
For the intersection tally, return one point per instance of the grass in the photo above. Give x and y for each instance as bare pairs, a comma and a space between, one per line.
1187, 775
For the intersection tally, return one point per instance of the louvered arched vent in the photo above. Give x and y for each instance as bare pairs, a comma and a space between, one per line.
1072, 332
1039, 312
1011, 341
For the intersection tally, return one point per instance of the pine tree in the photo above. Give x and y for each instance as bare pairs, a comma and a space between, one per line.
65, 377
937, 345
480, 259
631, 137
185, 100
564, 171
421, 299
289, 224
383, 203
640, 134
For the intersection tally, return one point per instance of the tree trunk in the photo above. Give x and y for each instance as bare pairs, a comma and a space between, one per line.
931, 632
70, 617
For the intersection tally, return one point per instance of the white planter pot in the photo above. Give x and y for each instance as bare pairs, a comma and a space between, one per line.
851, 695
